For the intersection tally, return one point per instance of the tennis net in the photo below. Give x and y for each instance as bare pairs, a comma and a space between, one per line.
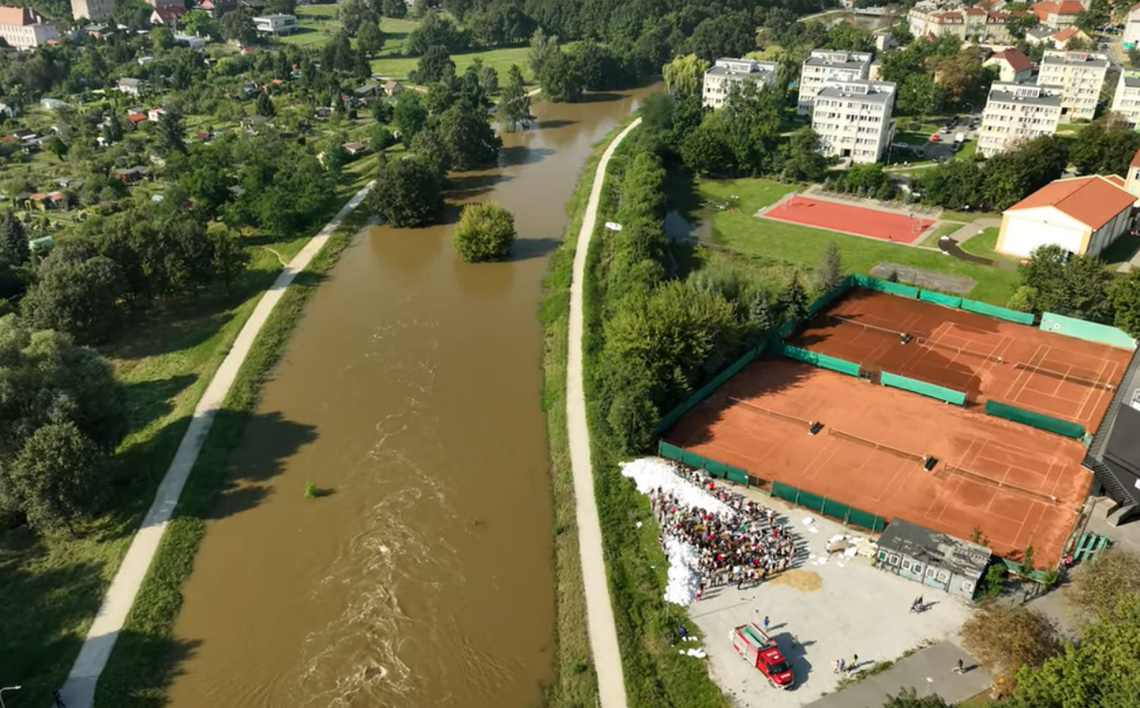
998, 484
876, 445
769, 412
1082, 380
942, 345
864, 325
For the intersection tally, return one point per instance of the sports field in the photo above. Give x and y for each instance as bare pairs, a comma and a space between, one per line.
986, 358
826, 214
1018, 485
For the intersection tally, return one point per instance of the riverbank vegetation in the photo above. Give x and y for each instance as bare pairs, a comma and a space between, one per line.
485, 232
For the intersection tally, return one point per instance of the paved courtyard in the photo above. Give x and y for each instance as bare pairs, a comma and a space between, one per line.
853, 609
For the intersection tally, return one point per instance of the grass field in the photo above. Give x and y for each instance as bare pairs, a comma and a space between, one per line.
944, 229
52, 586
985, 244
738, 229
398, 67
1121, 250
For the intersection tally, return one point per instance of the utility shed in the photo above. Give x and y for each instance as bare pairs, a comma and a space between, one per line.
932, 558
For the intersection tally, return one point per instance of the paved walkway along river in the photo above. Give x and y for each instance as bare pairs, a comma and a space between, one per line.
599, 610
79, 690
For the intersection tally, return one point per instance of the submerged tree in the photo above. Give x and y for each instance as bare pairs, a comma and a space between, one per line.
485, 233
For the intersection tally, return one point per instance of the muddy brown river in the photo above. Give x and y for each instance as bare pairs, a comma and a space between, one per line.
410, 396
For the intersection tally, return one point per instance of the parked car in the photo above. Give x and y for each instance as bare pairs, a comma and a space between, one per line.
935, 139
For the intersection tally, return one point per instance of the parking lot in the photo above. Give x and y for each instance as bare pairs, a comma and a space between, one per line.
905, 147
835, 610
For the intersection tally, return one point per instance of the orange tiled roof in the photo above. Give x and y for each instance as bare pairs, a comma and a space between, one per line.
1093, 200
1016, 60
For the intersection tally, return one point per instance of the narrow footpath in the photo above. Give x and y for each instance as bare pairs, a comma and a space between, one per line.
79, 689
599, 610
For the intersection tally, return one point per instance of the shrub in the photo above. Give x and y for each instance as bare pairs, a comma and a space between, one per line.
485, 233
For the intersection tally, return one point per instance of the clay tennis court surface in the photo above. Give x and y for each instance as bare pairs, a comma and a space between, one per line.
1040, 371
1020, 486
885, 225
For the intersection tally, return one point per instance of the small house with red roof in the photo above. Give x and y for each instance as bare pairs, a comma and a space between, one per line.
1084, 215
167, 15
1013, 66
1057, 13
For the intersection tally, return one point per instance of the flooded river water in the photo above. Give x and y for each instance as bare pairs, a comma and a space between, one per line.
410, 395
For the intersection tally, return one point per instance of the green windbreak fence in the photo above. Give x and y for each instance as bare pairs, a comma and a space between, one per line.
821, 360
1037, 420
705, 391
926, 389
830, 296
940, 299
1072, 327
829, 507
716, 468
1002, 313
886, 286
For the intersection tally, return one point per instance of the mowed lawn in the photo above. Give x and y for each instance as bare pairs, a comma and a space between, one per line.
985, 245
398, 67
738, 229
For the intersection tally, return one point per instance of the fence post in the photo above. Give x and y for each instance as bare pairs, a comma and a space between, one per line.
797, 495
847, 516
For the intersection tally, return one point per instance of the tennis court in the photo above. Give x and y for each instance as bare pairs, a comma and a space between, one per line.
987, 358
825, 214
1019, 485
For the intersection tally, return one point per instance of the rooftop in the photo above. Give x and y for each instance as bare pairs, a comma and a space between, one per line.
827, 57
870, 91
1092, 200
1114, 453
19, 16
1135, 160
1030, 94
743, 67
1054, 7
1055, 57
953, 554
1016, 60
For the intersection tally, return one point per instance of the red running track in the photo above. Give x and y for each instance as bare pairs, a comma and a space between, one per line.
885, 225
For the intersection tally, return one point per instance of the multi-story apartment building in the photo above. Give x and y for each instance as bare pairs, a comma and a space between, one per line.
92, 9
23, 28
1126, 100
853, 118
726, 72
1131, 36
964, 22
1016, 112
1080, 75
825, 65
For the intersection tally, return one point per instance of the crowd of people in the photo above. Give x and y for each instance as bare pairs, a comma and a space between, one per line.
743, 542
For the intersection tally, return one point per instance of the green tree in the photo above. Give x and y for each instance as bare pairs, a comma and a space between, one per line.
1125, 294
282, 7
412, 193
369, 38
410, 116
908, 698
685, 74
705, 150
488, 77
57, 147
560, 79
171, 132
800, 159
396, 9
58, 478
485, 232
436, 30
542, 50
514, 104
265, 105
851, 37
1100, 585
434, 65
830, 273
75, 295
793, 300
1005, 638
729, 34
354, 14
1102, 148
238, 27
230, 258
14, 248
468, 138
1097, 14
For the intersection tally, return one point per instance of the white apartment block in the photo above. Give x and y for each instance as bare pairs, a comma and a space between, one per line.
853, 118
827, 65
726, 72
1016, 112
1132, 27
1126, 100
276, 24
22, 28
92, 9
1080, 76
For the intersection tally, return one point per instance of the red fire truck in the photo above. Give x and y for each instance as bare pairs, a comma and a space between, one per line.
760, 650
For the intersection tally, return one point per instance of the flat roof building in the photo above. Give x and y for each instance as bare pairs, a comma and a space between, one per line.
1126, 99
1016, 112
1080, 76
824, 65
720, 78
932, 558
853, 118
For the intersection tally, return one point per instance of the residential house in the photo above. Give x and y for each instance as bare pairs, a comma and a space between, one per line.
156, 4
1132, 27
934, 559
131, 175
1083, 215
134, 117
52, 104
167, 15
853, 118
1080, 75
727, 72
966, 23
824, 65
217, 8
92, 9
1016, 112
1057, 13
365, 92
155, 114
392, 87
1062, 37
1013, 66
98, 31
189, 40
354, 149
24, 28
132, 87
1126, 100
143, 61
276, 24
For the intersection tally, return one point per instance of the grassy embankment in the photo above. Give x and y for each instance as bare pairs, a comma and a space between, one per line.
51, 586
319, 23
739, 230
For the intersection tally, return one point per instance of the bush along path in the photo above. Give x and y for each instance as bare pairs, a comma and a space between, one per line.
599, 610
79, 689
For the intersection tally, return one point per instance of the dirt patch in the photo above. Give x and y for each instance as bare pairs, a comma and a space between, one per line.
799, 579
924, 278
